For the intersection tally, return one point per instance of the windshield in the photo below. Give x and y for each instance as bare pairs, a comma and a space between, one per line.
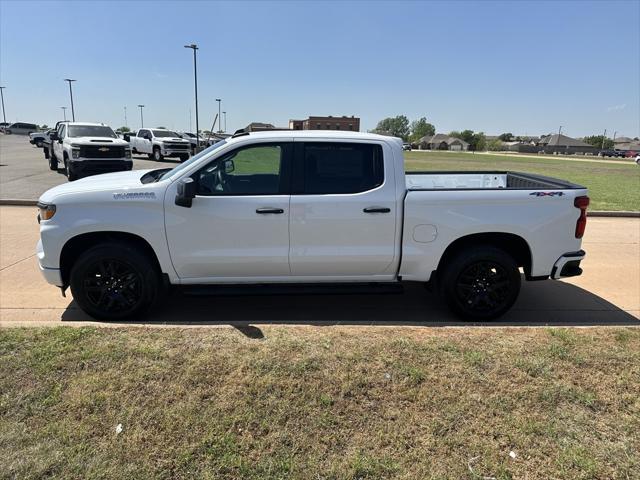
192, 159
90, 131
164, 133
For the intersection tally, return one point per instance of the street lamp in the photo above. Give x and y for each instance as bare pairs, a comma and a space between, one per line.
225, 121
219, 100
4, 116
141, 117
73, 113
125, 117
64, 113
194, 47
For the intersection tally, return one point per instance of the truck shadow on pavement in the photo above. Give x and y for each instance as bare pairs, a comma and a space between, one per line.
547, 303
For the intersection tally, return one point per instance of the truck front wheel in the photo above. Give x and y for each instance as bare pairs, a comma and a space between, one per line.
114, 281
71, 175
157, 154
481, 283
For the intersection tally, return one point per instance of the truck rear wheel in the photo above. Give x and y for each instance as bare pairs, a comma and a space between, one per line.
481, 283
157, 154
114, 281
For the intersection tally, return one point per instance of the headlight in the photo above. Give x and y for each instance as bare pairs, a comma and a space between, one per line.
127, 153
46, 211
75, 152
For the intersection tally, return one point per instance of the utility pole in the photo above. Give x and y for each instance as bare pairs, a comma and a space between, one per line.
225, 121
64, 113
73, 113
194, 47
141, 117
604, 136
4, 115
125, 117
560, 131
190, 122
219, 100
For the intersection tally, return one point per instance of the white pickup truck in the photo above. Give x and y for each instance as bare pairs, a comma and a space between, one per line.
316, 208
87, 149
159, 143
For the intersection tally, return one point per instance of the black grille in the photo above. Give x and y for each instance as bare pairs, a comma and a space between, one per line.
101, 151
177, 146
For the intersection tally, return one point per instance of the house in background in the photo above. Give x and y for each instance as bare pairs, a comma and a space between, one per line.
626, 143
441, 141
559, 143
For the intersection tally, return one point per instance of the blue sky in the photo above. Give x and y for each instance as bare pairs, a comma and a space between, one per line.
523, 67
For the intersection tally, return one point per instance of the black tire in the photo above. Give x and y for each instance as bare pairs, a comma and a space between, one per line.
53, 163
481, 283
71, 176
157, 154
184, 158
114, 281
134, 151
39, 143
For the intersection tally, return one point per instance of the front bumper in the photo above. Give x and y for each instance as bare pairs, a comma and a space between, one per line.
568, 265
87, 167
51, 275
173, 152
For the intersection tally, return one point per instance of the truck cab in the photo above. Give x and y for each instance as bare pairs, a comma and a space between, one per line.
86, 149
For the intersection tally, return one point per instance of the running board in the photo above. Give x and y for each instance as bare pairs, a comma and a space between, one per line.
295, 289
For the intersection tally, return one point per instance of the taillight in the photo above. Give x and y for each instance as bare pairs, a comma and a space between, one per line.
582, 203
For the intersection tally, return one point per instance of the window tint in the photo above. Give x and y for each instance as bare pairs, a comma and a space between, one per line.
342, 167
253, 170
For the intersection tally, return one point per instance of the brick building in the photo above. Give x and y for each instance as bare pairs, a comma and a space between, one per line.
349, 124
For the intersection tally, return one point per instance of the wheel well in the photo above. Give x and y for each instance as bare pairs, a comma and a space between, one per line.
77, 245
512, 244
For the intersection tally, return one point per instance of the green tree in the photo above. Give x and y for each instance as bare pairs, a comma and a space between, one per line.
495, 145
421, 128
44, 127
506, 137
396, 126
596, 141
124, 129
476, 141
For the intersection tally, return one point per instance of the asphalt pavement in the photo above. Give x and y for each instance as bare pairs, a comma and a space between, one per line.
25, 173
607, 294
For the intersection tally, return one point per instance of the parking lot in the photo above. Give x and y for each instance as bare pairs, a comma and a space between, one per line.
25, 174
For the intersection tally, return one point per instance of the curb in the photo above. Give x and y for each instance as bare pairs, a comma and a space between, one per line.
620, 214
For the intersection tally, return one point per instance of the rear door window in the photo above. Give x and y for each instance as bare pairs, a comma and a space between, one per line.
334, 168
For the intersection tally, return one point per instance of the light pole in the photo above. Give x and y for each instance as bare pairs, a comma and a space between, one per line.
219, 100
141, 117
194, 47
559, 131
4, 115
73, 113
125, 117
64, 113
225, 121
604, 136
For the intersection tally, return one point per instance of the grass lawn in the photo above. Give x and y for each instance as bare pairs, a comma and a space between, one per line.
611, 186
320, 403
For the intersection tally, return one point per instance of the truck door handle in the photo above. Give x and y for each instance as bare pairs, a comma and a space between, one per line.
269, 210
376, 210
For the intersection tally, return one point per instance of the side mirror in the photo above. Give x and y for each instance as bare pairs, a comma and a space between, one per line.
186, 192
53, 135
229, 166
148, 137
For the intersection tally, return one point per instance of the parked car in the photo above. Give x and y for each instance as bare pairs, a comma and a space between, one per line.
87, 149
159, 143
38, 138
20, 128
612, 153
317, 208
406, 146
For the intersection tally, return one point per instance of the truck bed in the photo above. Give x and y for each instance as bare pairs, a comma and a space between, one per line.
483, 181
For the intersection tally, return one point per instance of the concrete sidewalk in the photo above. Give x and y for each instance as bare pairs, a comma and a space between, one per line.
608, 293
